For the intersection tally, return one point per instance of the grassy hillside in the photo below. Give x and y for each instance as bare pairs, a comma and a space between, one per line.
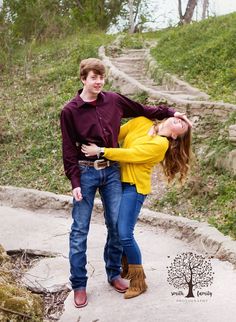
32, 95
204, 54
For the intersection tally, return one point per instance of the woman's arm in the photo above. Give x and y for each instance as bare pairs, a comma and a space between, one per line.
139, 154
149, 152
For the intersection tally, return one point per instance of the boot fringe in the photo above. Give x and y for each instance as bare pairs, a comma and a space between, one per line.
136, 271
137, 281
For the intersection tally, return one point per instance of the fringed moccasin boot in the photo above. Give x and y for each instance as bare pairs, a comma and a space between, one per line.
137, 281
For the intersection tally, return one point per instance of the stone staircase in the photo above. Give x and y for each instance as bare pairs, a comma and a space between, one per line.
130, 71
133, 62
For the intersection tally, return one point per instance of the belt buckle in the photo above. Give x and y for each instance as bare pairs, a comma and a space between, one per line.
96, 164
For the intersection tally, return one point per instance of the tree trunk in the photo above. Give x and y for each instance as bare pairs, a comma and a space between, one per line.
190, 290
180, 10
131, 16
187, 17
205, 7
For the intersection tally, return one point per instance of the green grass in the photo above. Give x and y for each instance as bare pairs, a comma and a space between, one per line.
30, 110
204, 54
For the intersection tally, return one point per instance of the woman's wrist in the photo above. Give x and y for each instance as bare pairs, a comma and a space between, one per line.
100, 151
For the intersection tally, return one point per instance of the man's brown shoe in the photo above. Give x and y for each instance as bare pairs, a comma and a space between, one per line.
120, 285
80, 298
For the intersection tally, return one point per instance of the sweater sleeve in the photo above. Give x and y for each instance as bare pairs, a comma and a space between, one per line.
147, 152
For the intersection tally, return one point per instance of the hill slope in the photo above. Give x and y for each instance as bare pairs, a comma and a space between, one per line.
42, 79
204, 54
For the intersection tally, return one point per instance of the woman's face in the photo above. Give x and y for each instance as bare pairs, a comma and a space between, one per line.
177, 126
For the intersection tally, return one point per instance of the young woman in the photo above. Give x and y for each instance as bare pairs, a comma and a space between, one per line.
144, 144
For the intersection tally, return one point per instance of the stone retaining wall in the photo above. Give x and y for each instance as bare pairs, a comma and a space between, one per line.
170, 81
232, 134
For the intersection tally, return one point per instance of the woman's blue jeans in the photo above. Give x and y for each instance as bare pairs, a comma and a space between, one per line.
108, 182
131, 203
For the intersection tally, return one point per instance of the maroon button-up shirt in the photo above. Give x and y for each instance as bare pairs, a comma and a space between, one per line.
83, 123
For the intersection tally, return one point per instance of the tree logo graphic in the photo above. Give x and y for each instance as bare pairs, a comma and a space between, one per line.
190, 271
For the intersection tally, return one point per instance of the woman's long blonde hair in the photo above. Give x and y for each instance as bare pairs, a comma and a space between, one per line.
177, 157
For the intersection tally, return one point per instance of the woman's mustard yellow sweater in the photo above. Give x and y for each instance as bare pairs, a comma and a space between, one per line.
139, 153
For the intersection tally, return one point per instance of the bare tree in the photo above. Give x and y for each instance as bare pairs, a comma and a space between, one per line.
135, 6
131, 16
187, 17
205, 6
190, 271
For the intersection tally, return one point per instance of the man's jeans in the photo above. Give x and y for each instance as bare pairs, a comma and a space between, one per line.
108, 182
131, 203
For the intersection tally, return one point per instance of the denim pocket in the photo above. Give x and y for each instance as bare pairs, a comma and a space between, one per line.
83, 168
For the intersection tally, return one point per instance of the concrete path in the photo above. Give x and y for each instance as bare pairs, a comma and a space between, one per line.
21, 228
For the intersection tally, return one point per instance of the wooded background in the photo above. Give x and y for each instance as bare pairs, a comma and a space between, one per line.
36, 20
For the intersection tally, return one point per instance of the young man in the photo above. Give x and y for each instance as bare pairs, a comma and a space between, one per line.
94, 116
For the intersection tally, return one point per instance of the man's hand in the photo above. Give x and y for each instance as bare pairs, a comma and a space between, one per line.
183, 117
90, 150
77, 194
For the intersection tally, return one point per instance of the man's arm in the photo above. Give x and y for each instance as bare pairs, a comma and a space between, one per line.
131, 108
70, 153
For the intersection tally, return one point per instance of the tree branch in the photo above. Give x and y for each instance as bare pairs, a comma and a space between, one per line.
15, 312
80, 5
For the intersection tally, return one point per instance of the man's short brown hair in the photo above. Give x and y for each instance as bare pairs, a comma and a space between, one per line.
94, 64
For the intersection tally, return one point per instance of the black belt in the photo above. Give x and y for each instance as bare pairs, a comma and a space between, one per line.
97, 164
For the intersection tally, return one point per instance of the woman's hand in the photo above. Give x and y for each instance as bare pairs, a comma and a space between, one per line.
183, 117
90, 150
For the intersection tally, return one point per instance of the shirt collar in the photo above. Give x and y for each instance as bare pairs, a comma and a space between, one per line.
80, 102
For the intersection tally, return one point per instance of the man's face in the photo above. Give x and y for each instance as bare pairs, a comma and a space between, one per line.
94, 83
